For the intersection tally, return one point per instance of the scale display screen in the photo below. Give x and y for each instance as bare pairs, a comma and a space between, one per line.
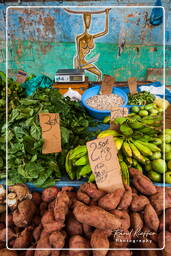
75, 78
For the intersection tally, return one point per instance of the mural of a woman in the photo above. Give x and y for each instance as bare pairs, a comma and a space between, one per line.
85, 43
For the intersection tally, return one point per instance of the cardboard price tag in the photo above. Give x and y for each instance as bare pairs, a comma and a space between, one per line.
21, 76
50, 124
107, 84
104, 163
132, 83
117, 112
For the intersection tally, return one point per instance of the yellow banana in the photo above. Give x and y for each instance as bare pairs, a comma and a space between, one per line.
136, 153
108, 132
142, 148
118, 142
124, 172
126, 149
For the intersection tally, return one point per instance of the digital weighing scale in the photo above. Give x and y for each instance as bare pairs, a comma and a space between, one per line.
70, 76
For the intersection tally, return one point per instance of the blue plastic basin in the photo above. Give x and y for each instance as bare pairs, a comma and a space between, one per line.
100, 114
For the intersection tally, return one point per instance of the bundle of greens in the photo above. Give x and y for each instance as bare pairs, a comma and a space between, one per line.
141, 98
26, 162
15, 93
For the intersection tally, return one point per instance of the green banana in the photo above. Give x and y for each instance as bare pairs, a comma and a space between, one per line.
118, 143
86, 169
126, 149
68, 166
120, 156
91, 178
82, 161
129, 160
148, 130
151, 146
135, 124
78, 152
108, 132
125, 173
138, 166
143, 149
134, 162
136, 153
126, 130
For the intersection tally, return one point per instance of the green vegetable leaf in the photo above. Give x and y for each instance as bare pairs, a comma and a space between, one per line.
35, 132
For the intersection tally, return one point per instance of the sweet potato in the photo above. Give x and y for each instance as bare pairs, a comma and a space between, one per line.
96, 217
157, 200
73, 226
37, 231
9, 232
83, 197
99, 239
149, 245
10, 220
136, 221
167, 219
119, 253
2, 226
30, 252
24, 239
53, 226
6, 252
88, 230
67, 188
36, 220
57, 239
111, 200
150, 217
43, 208
62, 204
78, 242
120, 239
126, 199
36, 198
21, 190
43, 243
48, 217
23, 215
92, 191
124, 218
167, 237
138, 203
142, 183
49, 194
51, 205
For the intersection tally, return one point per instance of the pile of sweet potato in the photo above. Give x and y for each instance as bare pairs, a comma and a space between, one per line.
90, 218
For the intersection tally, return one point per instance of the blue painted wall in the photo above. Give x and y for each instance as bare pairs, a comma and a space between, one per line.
41, 38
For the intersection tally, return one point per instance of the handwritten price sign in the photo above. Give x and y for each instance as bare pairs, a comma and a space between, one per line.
51, 133
103, 159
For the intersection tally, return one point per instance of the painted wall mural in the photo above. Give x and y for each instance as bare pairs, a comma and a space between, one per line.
42, 40
85, 42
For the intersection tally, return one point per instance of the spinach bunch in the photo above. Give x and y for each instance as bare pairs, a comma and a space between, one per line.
26, 162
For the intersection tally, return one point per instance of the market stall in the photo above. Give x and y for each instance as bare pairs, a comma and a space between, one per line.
87, 163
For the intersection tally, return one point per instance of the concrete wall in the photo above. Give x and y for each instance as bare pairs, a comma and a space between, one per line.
43, 40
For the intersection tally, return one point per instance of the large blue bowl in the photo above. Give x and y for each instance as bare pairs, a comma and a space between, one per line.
100, 114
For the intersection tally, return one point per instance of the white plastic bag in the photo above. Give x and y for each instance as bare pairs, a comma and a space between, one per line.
74, 95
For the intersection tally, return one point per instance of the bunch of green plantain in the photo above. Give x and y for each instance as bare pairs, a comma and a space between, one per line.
77, 164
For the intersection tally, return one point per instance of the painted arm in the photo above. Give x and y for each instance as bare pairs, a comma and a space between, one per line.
106, 26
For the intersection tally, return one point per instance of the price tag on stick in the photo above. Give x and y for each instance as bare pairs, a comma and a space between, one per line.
107, 84
117, 112
102, 154
132, 83
50, 124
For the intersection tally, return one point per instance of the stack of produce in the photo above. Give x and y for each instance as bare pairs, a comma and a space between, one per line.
139, 142
88, 218
26, 161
